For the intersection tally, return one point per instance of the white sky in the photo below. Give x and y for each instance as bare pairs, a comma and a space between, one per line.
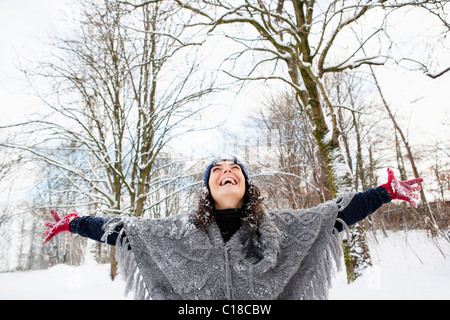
23, 22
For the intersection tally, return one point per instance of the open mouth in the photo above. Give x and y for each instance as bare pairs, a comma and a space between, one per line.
228, 180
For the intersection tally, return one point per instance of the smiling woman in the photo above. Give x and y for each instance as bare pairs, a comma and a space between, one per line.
231, 204
227, 185
230, 248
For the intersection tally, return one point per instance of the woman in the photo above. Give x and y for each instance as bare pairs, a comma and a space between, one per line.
229, 248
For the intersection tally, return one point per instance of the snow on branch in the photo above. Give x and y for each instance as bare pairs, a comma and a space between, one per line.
437, 75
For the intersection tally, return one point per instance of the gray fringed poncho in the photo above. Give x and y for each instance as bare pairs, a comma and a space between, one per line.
291, 255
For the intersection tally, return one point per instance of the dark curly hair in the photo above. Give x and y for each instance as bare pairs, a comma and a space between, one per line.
252, 206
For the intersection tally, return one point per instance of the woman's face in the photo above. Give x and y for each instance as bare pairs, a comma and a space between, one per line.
227, 185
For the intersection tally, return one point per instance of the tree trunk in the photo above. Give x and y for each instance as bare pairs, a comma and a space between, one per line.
356, 254
113, 262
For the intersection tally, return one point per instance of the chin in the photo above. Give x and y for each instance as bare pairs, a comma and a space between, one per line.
229, 198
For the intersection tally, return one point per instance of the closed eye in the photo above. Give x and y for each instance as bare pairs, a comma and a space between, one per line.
219, 168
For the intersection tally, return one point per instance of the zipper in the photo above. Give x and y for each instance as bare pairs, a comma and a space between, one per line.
229, 284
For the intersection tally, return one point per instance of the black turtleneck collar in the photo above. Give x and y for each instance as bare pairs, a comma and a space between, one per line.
229, 221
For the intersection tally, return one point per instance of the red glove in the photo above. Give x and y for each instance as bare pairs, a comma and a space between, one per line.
58, 226
402, 190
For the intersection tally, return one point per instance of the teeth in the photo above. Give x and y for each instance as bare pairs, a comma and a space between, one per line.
231, 180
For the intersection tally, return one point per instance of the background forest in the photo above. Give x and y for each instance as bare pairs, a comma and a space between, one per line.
118, 106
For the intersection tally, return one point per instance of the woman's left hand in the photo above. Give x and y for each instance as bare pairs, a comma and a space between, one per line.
403, 190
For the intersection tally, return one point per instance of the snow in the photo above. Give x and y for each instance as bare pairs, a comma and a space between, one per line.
86, 282
89, 281
405, 266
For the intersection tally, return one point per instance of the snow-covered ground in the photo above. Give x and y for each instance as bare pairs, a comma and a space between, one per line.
405, 266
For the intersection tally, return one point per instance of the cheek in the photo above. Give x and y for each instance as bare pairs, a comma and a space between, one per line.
212, 186
241, 191
213, 195
212, 182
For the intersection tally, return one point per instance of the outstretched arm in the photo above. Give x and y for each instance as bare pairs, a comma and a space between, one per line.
367, 202
87, 226
92, 228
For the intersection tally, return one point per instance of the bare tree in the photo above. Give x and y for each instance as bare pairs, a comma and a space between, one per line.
117, 96
10, 163
298, 42
429, 219
441, 205
298, 34
118, 89
288, 179
433, 67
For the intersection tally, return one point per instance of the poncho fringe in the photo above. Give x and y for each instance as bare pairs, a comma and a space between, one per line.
311, 281
127, 264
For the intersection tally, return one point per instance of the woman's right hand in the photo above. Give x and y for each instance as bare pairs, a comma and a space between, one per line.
58, 226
